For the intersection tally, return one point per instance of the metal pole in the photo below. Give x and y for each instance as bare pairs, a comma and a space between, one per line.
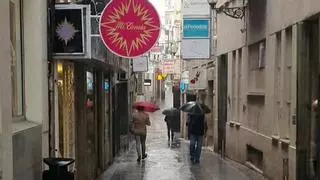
168, 41
160, 90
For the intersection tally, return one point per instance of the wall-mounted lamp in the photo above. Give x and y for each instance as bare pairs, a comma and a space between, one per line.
59, 68
234, 12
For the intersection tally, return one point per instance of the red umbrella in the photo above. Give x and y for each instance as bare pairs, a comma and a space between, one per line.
147, 106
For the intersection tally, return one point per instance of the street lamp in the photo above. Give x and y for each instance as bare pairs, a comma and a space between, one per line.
234, 12
212, 3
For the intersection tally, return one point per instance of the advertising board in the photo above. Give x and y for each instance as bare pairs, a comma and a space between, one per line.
140, 64
196, 28
195, 49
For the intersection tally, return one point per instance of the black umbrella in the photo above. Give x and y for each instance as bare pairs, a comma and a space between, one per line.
193, 107
171, 112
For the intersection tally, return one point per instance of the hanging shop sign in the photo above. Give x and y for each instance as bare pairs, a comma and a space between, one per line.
185, 77
161, 77
69, 31
196, 8
196, 39
106, 86
183, 87
168, 66
196, 28
171, 66
198, 79
147, 82
195, 49
140, 64
129, 28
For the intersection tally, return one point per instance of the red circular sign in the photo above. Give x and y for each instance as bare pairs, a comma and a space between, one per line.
129, 28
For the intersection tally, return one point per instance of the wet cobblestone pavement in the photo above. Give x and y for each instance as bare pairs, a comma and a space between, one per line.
172, 162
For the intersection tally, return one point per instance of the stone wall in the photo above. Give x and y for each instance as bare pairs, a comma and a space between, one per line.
27, 156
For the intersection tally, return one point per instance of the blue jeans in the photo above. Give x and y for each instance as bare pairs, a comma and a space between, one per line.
195, 147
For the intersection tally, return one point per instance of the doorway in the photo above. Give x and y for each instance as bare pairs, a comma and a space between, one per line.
107, 120
86, 121
308, 90
64, 110
91, 110
222, 102
120, 124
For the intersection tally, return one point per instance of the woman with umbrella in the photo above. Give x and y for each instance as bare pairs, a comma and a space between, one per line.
140, 121
172, 121
197, 127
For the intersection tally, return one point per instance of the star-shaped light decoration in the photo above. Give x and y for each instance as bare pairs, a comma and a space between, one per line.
66, 31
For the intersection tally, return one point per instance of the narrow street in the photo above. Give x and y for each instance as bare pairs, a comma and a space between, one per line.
166, 162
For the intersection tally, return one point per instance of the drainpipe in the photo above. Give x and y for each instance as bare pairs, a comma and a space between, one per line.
50, 34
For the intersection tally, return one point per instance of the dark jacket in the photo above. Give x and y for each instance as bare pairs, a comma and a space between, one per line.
197, 125
173, 123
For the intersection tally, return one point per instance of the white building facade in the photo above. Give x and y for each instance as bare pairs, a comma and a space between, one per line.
23, 89
262, 120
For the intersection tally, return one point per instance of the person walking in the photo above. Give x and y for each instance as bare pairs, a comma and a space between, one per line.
197, 128
169, 121
140, 121
187, 124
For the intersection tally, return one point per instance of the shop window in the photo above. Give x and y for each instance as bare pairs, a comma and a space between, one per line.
16, 58
66, 112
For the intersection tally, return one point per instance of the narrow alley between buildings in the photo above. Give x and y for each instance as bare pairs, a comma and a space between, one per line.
171, 162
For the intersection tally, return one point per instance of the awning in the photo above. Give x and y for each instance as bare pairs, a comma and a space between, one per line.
220, 3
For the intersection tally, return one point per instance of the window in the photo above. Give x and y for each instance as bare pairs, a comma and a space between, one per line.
262, 54
16, 58
257, 55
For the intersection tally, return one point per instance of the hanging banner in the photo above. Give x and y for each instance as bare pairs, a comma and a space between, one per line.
129, 28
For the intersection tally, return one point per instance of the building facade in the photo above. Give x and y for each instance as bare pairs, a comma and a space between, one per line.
198, 72
267, 75
91, 95
57, 106
24, 88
